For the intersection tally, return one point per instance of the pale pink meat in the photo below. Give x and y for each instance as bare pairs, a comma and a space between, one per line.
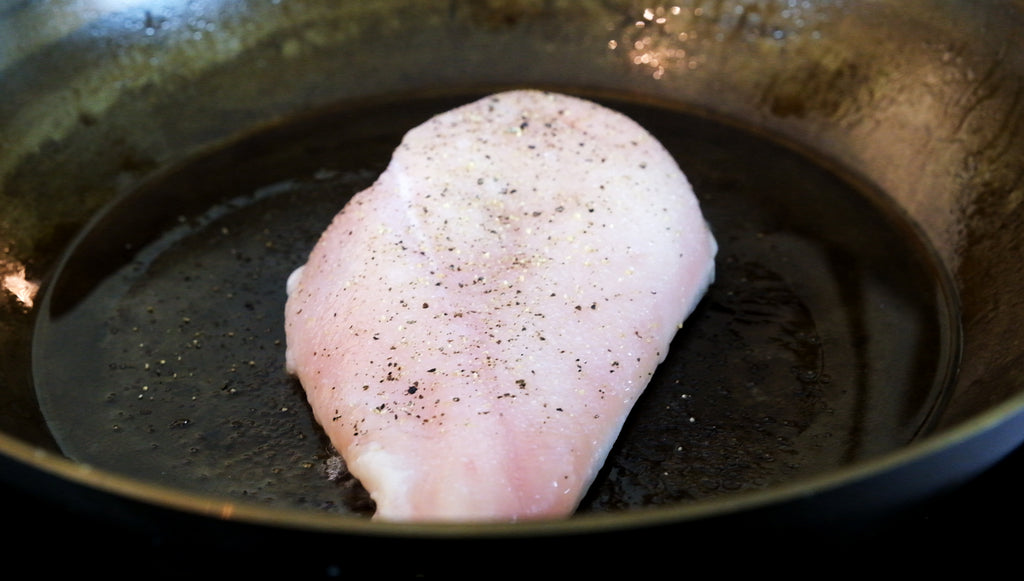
473, 329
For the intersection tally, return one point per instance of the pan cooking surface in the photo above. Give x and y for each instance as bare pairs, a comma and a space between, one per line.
828, 337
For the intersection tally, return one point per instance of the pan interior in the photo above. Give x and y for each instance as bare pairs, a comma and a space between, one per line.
830, 335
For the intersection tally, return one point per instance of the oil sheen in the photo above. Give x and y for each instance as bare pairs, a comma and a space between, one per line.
828, 337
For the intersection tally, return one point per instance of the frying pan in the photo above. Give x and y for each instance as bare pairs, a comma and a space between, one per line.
115, 114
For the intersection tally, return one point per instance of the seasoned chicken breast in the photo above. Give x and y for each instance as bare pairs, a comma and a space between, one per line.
473, 329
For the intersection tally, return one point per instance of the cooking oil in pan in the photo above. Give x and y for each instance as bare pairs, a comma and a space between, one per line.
828, 336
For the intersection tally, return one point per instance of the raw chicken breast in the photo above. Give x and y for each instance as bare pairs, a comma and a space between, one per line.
473, 329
